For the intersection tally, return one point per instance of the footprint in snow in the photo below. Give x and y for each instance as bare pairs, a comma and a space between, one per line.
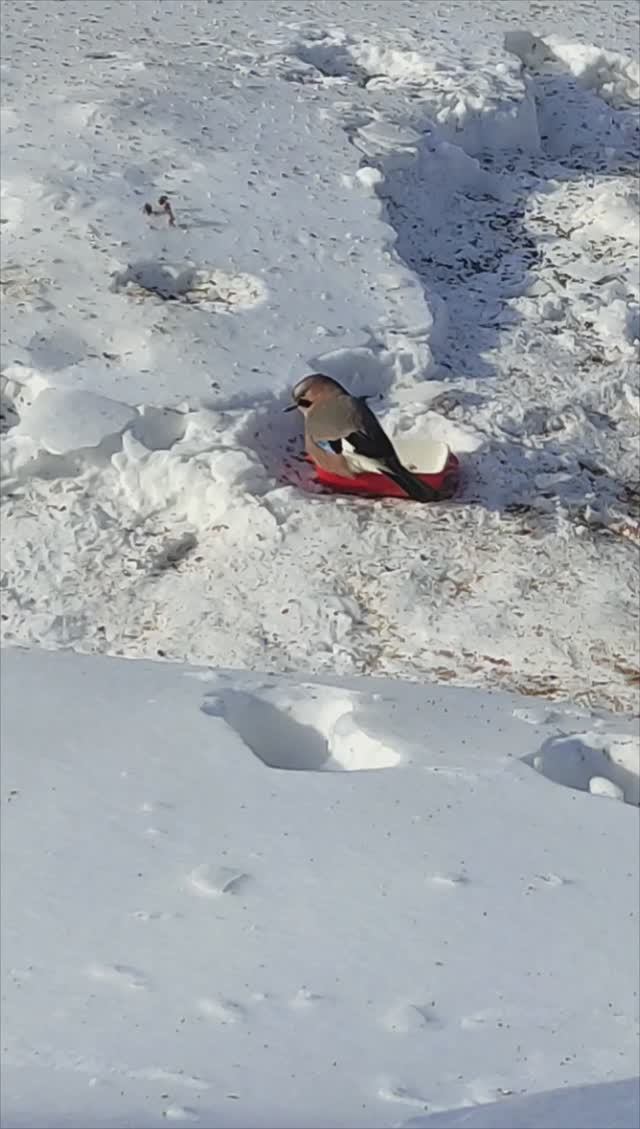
304, 999
448, 881
597, 761
405, 1019
304, 729
154, 915
181, 1113
221, 1010
207, 881
120, 975
396, 1092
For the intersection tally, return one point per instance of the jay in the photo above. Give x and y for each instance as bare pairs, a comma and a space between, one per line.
343, 435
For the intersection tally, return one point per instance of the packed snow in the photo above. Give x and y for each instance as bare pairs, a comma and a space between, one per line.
335, 892
242, 900
614, 1104
434, 203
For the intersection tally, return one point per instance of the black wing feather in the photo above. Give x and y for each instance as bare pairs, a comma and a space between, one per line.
372, 441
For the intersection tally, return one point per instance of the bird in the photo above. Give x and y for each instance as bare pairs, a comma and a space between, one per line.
344, 436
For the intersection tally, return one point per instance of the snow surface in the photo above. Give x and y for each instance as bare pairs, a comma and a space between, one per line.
614, 1104
319, 899
436, 203
245, 901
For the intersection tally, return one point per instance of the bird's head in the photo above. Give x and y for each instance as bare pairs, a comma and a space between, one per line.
312, 389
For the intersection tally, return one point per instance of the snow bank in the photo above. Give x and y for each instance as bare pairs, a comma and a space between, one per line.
245, 900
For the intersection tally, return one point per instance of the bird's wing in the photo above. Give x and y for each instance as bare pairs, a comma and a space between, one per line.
369, 438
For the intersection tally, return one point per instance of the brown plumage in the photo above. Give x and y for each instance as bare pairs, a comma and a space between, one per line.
344, 437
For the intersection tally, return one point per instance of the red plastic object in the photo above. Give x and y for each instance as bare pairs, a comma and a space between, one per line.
444, 482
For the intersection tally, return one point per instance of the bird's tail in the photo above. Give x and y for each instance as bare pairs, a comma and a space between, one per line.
416, 489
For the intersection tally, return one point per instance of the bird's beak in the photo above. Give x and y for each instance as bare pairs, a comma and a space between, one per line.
291, 408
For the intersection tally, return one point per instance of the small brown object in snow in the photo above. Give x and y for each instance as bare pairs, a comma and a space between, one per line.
164, 208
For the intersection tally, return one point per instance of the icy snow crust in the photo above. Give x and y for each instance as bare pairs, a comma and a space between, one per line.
428, 202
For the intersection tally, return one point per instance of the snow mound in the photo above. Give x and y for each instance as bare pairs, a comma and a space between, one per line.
609, 74
62, 420
611, 210
585, 96
612, 76
479, 102
201, 484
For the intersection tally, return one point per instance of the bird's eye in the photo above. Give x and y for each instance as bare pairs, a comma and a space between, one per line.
304, 403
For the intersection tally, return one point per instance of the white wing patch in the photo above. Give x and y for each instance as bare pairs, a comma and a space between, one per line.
359, 463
